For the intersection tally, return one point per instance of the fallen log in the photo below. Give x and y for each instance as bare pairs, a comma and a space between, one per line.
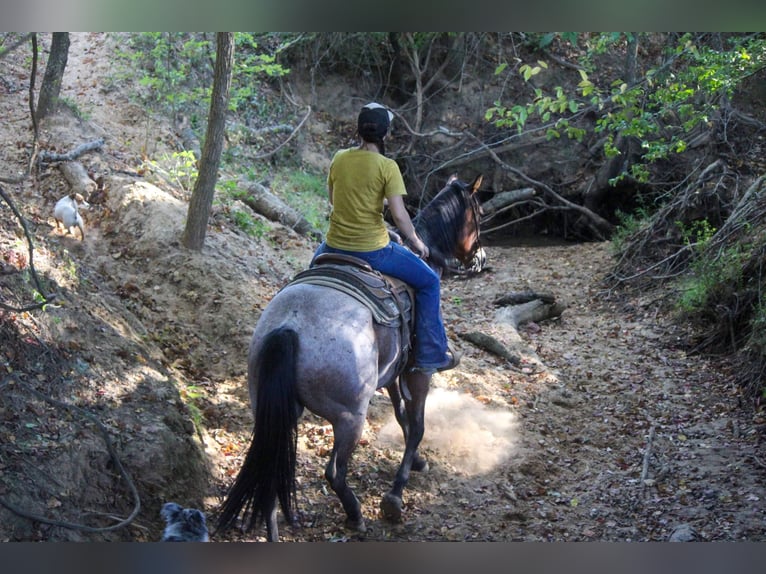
535, 310
261, 200
491, 345
505, 199
519, 297
79, 180
505, 341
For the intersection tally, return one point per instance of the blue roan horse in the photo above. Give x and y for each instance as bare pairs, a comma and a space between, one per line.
319, 348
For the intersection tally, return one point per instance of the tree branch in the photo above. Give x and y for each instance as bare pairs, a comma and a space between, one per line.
81, 149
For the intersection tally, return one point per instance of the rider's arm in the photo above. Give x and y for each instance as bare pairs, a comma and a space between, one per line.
404, 225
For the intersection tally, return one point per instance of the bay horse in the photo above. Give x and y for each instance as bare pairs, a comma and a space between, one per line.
319, 348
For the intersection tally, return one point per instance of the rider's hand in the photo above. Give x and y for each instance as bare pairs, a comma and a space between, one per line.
395, 237
421, 249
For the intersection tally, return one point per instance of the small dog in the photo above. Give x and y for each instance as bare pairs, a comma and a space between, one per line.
183, 524
66, 212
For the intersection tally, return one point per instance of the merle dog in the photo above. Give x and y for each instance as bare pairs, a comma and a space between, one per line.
183, 524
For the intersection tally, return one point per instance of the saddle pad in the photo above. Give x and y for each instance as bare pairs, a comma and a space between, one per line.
371, 289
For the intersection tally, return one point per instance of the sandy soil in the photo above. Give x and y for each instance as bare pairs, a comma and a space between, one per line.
608, 431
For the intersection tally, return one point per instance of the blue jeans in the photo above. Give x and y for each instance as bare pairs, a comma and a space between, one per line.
397, 261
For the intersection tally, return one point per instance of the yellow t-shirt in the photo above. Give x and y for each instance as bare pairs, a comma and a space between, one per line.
360, 180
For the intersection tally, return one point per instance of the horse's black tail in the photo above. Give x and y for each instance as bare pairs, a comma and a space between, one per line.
268, 473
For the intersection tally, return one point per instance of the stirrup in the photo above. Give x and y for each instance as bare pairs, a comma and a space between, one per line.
453, 360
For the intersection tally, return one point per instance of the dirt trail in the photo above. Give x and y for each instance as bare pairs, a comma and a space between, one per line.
621, 437
616, 435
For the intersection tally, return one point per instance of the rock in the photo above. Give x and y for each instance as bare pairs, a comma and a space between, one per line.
683, 533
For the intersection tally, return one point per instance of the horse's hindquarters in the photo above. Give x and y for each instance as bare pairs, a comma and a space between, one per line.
337, 350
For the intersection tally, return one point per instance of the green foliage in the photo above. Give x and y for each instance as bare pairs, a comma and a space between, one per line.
697, 233
249, 224
305, 192
710, 278
230, 192
39, 298
251, 65
543, 106
228, 188
252, 226
628, 225
660, 110
540, 41
302, 190
71, 104
178, 168
190, 395
367, 56
178, 69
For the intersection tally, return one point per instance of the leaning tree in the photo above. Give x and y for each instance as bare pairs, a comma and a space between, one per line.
50, 89
204, 187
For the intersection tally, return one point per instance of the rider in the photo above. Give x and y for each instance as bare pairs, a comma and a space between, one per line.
361, 180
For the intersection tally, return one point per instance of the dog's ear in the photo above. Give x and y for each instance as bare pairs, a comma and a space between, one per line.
195, 518
171, 512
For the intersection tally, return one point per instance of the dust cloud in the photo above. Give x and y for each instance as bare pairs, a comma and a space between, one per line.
468, 435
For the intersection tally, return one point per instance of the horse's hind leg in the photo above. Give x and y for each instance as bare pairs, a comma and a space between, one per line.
418, 383
272, 531
418, 462
347, 433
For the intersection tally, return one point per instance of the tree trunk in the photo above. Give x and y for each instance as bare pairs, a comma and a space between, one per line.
631, 59
204, 188
397, 82
627, 146
48, 100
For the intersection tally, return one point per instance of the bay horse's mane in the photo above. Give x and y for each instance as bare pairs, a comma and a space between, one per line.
441, 221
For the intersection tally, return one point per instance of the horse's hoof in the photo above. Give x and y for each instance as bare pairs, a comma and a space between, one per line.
420, 464
391, 506
357, 524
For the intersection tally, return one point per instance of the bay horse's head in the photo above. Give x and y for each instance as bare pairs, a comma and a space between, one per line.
449, 225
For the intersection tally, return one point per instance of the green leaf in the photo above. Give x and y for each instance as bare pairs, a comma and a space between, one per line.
547, 39
526, 73
551, 134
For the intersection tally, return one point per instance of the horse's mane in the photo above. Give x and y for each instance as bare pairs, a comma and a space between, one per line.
441, 220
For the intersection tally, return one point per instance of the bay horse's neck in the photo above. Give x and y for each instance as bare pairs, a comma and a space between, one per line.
441, 223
